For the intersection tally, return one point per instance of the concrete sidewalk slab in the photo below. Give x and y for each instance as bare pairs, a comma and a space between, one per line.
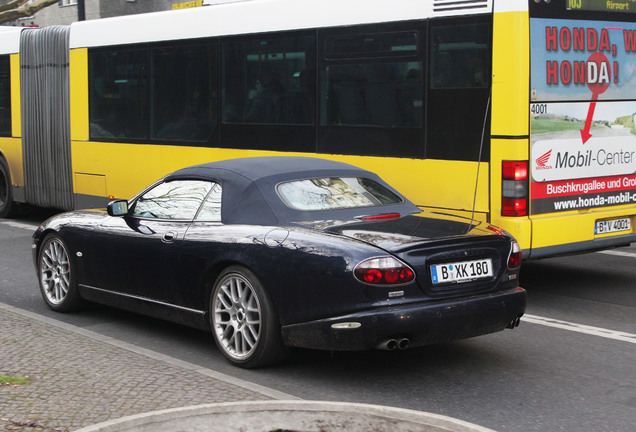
82, 379
79, 378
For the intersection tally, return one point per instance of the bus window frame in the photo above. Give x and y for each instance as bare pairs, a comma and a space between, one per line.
7, 75
92, 85
371, 140
211, 42
479, 151
246, 135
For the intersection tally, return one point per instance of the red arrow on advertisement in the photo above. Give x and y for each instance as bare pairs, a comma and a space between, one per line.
597, 62
585, 133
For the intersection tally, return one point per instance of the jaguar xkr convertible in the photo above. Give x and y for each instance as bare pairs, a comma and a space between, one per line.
277, 252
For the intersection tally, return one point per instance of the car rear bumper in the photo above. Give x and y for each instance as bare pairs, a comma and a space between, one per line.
412, 325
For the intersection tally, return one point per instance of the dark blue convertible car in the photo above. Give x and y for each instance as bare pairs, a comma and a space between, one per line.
280, 252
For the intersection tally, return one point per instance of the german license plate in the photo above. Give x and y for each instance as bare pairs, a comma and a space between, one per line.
462, 271
612, 225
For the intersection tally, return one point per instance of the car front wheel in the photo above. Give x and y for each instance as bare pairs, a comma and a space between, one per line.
245, 325
56, 275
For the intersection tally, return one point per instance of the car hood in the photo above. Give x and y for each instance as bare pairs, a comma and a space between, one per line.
406, 232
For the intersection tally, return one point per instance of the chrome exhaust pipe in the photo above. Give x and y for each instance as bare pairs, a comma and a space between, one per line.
514, 323
403, 343
388, 345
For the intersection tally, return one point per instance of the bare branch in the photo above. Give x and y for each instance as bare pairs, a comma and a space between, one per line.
13, 4
16, 9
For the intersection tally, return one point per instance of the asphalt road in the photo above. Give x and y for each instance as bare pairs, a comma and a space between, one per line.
570, 366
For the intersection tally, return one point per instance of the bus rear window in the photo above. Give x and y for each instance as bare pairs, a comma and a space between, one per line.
332, 193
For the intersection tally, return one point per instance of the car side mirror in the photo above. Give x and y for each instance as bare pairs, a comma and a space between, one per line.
117, 208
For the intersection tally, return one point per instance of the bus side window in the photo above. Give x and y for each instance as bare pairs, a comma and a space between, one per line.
5, 96
184, 92
382, 94
118, 93
458, 90
372, 79
459, 55
269, 80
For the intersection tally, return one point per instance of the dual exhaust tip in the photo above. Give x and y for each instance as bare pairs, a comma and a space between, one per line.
404, 343
514, 323
393, 344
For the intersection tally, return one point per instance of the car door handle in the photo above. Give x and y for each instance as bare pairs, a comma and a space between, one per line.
169, 237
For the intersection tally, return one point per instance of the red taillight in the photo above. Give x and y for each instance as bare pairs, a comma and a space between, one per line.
495, 230
514, 260
514, 188
371, 276
514, 207
515, 170
383, 271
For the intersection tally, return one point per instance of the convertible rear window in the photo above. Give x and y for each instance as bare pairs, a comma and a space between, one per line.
330, 193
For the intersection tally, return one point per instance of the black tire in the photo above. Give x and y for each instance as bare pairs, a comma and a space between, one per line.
244, 323
7, 206
56, 276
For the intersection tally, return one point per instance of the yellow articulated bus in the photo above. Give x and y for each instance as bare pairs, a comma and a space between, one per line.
515, 112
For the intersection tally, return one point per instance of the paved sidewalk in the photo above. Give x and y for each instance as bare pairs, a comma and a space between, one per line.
79, 377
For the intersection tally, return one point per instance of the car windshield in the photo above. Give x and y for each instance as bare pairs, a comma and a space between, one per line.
330, 193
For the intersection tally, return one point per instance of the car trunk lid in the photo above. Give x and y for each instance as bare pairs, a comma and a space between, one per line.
476, 255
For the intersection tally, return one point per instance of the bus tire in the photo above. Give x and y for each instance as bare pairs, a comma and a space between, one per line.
7, 206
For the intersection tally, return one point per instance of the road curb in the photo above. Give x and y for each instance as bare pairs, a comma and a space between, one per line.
286, 415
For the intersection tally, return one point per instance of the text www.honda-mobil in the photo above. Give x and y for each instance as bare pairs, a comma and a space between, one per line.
594, 201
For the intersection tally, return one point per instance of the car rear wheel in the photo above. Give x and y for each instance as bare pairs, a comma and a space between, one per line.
245, 325
56, 274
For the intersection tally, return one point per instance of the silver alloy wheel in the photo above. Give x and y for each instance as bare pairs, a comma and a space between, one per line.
55, 271
237, 316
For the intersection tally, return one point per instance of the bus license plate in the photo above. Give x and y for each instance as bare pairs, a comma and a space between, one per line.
612, 225
463, 271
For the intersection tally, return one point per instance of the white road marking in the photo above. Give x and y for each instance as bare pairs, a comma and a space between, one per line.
618, 253
580, 328
20, 225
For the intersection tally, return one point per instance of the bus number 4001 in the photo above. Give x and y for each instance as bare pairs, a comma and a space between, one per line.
538, 109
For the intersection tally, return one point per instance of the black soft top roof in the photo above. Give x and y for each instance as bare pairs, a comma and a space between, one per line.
249, 188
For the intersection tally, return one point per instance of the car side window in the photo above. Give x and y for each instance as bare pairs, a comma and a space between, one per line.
178, 199
211, 208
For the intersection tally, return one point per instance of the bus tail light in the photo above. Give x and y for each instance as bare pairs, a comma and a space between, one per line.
514, 190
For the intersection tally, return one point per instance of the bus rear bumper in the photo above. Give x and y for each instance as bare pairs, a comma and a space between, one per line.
580, 247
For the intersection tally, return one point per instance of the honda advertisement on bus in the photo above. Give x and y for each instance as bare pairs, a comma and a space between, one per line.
583, 115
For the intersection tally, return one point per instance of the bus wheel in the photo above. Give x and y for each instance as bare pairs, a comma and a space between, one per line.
7, 206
